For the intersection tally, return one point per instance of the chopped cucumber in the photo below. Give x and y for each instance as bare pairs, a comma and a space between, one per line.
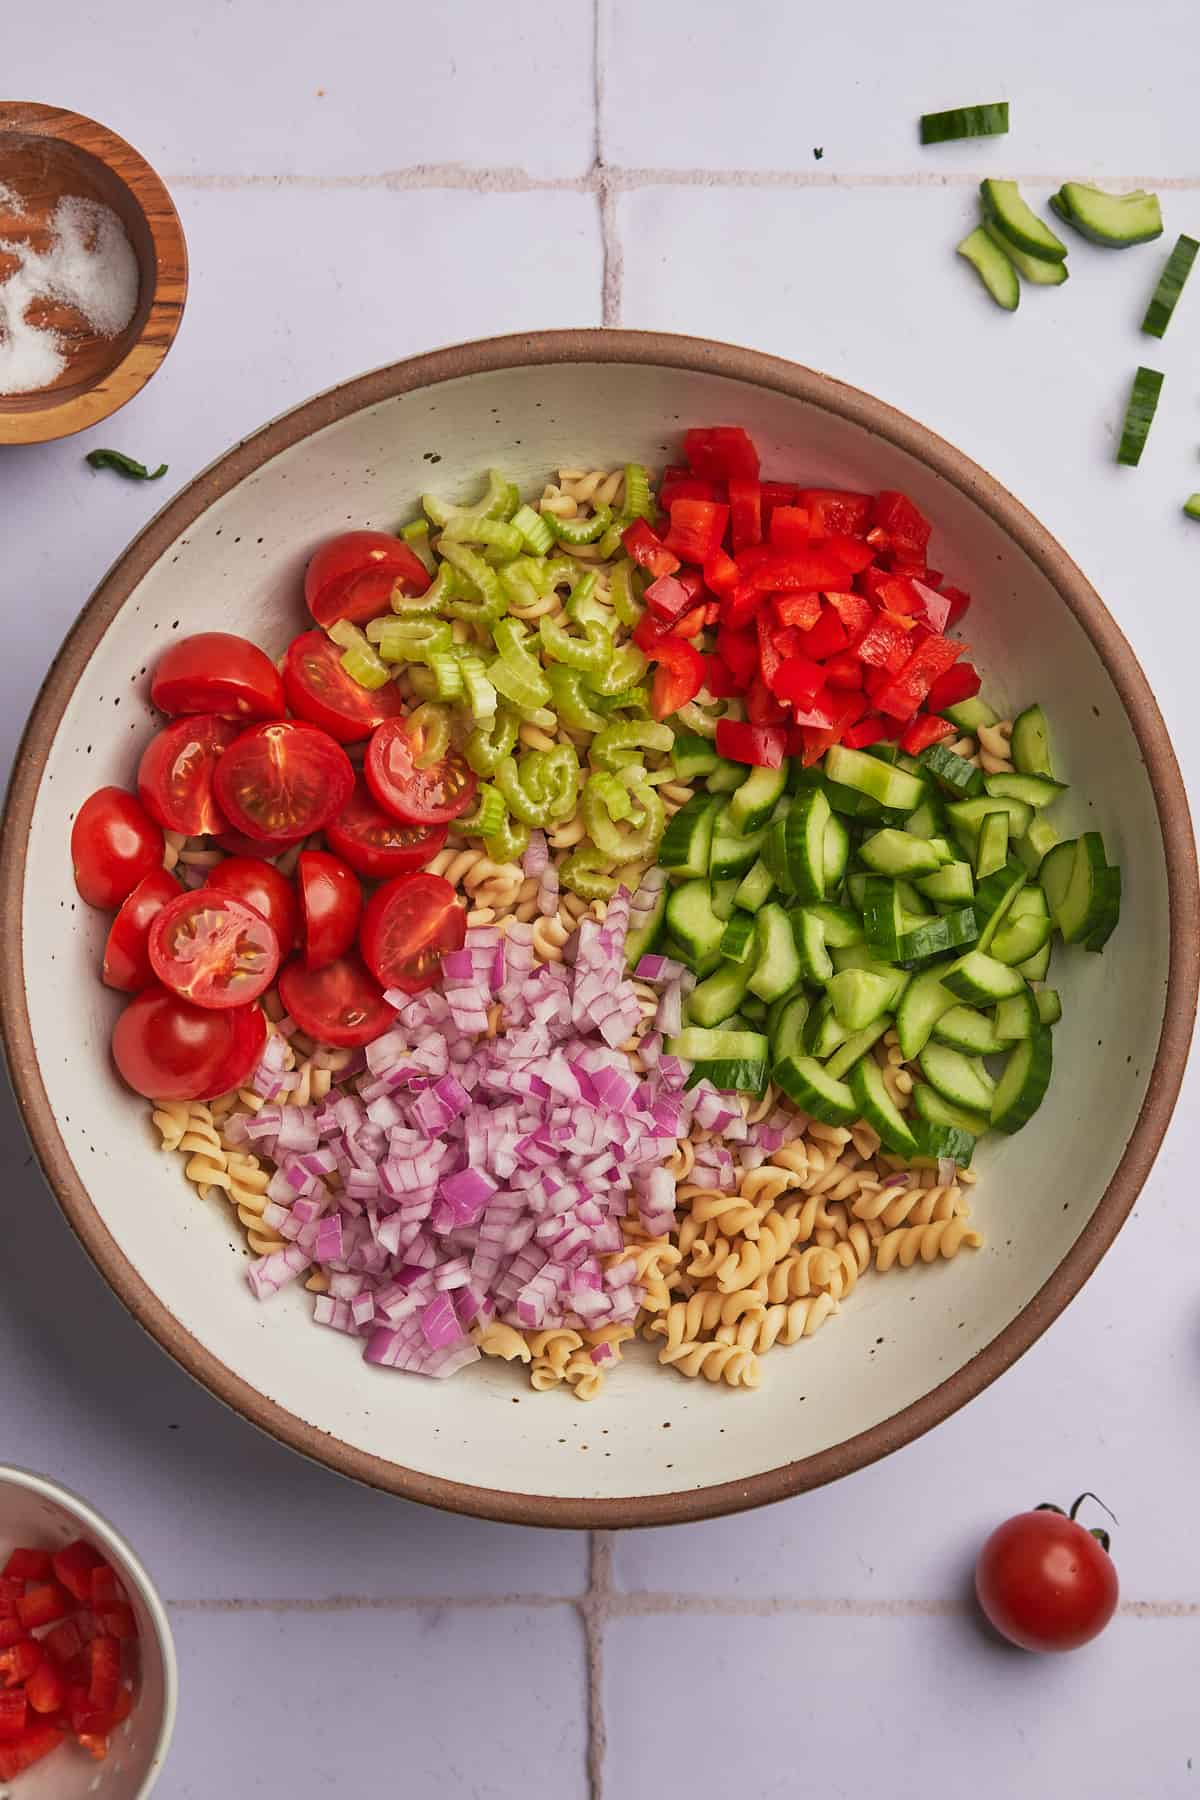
809, 933
814, 1091
924, 1002
1036, 967
847, 1054
951, 885
883, 917
967, 815
1191, 506
1021, 936
1017, 1017
1035, 790
692, 922
951, 932
732, 854
1034, 269
960, 1079
892, 852
693, 756
980, 979
726, 777
1115, 220
1139, 416
1049, 1006
962, 1028
754, 889
1108, 901
837, 853
841, 927
993, 267
686, 846
1036, 842
805, 843
824, 1033
989, 119
994, 898
734, 1061
737, 942
991, 846
1054, 875
777, 967
912, 904
859, 997
718, 998
935, 1110
969, 715
928, 821
936, 1141
958, 777
1170, 286
1087, 902
1031, 743
788, 1019
640, 940
774, 856
1018, 222
878, 1108
754, 801
722, 899
890, 787
1022, 1087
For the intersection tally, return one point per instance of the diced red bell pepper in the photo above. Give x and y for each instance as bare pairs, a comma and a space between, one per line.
875, 680
761, 745
719, 679
905, 692
893, 592
667, 598
962, 682
844, 670
693, 581
64, 1642
677, 679
908, 571
848, 709
854, 610
769, 656
649, 631
681, 484
826, 637
738, 650
73, 1566
697, 527
776, 493
923, 731
10, 1592
935, 607
788, 640
745, 512
833, 512
11, 1632
21, 1753
852, 553
106, 1590
87, 1625
104, 1672
762, 708
28, 1565
739, 607
868, 731
721, 573
44, 1604
797, 681
789, 528
14, 1709
647, 550
959, 603
119, 1622
692, 623
788, 571
821, 712
753, 557
886, 645
18, 1663
907, 530
46, 1688
797, 609
720, 451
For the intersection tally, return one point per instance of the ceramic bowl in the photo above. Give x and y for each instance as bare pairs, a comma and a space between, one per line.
38, 1512
229, 552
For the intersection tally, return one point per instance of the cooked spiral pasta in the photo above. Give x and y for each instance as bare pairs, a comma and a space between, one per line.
759, 1330
729, 1363
940, 1238
495, 1339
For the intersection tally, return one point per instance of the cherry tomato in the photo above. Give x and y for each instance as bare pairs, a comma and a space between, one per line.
213, 949
1045, 1582
339, 1004
126, 955
114, 844
283, 780
318, 689
175, 777
377, 846
234, 844
406, 925
330, 904
416, 795
167, 1049
215, 672
261, 886
352, 576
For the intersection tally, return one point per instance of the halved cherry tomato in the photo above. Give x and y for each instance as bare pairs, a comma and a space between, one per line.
126, 959
340, 1004
175, 776
215, 672
416, 795
678, 677
283, 780
235, 843
352, 576
213, 949
260, 885
330, 904
114, 845
165, 1048
406, 926
318, 689
375, 844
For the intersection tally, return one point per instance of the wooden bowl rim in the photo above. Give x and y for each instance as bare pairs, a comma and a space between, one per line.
663, 350
32, 118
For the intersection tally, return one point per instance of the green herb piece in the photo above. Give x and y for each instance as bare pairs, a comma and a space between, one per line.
818, 153
1139, 416
124, 465
988, 120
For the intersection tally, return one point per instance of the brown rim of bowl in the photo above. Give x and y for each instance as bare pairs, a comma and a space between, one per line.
693, 354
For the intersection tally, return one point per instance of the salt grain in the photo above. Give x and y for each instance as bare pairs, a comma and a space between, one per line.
90, 265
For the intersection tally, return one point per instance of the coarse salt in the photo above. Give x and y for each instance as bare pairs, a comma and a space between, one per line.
89, 265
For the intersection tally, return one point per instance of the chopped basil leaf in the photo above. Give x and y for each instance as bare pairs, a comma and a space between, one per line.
124, 465
818, 153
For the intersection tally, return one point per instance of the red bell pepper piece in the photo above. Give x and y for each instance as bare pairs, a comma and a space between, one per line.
745, 512
106, 1590
962, 682
738, 608
648, 550
906, 530
721, 573
720, 451
692, 622
649, 630
87, 1625
762, 708
844, 670
769, 657
18, 1663
847, 710
11, 1632
797, 682
681, 484
852, 552
719, 679
678, 677
46, 1689
697, 527
777, 493
797, 609
10, 1593
923, 731
73, 1566
667, 598
821, 712
832, 512
907, 571
935, 607
868, 731
959, 603
886, 645
693, 582
14, 1708
43, 1605
64, 1642
104, 1672
826, 637
28, 1565
893, 592
875, 680
787, 571
761, 745
905, 692
738, 650
855, 612
21, 1753
119, 1621
788, 640
789, 528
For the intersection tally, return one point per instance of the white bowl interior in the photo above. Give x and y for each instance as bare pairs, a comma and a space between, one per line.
238, 568
38, 1513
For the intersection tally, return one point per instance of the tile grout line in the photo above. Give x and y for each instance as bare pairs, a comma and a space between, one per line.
594, 1610
612, 260
607, 178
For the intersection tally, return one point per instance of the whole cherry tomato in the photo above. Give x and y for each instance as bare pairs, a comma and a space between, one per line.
114, 845
1045, 1581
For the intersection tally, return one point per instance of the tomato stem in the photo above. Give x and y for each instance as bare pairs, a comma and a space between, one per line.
1101, 1536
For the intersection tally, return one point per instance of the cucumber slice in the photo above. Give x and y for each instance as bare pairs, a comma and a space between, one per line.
970, 714
1034, 269
722, 899
809, 933
883, 917
837, 853
1108, 902
952, 931
928, 821
641, 940
1031, 744
726, 777
824, 1033
686, 845
913, 905
1018, 222
981, 980
967, 815
962, 1028
842, 927
957, 1078
774, 856
804, 841
754, 889
737, 942
732, 854
892, 852
990, 119
1035, 790
1049, 1006
755, 800
787, 1020
1036, 967
993, 267
889, 787
693, 756
937, 1141
1022, 1087
718, 998
951, 885
1036, 843
1139, 416
751, 1015
1017, 1017
734, 1061
1170, 286
814, 1091
877, 1107
859, 997
856, 889
847, 1054
930, 1106
692, 922
1115, 220
958, 777
991, 846
1020, 938
924, 1002
1087, 902
995, 897
777, 967
1055, 872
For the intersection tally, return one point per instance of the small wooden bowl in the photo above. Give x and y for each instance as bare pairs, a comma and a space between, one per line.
46, 154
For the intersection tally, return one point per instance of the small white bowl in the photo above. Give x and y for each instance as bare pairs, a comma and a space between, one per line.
39, 1512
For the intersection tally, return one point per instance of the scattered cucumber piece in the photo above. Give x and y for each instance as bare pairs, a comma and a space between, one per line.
952, 931
969, 715
693, 756
952, 885
1018, 222
1139, 416
1034, 269
686, 846
1109, 907
841, 927
718, 998
967, 815
925, 1001
722, 899
993, 267
777, 966
1037, 967
859, 997
809, 932
754, 801
1087, 902
878, 1108
1036, 843
893, 852
788, 1020
737, 942
726, 777
890, 787
1114, 220
824, 1033
957, 1078
974, 1033
991, 846
1017, 1017
847, 1054
960, 778
814, 1091
931, 1107
989, 119
1031, 743
1035, 790
981, 979
1170, 286
1022, 1087
804, 843
1049, 1006
735, 1061
693, 924
936, 1141
640, 942
837, 853
754, 889
732, 854
1054, 875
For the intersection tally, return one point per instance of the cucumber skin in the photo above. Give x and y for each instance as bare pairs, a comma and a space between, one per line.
993, 268
1065, 204
1047, 247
